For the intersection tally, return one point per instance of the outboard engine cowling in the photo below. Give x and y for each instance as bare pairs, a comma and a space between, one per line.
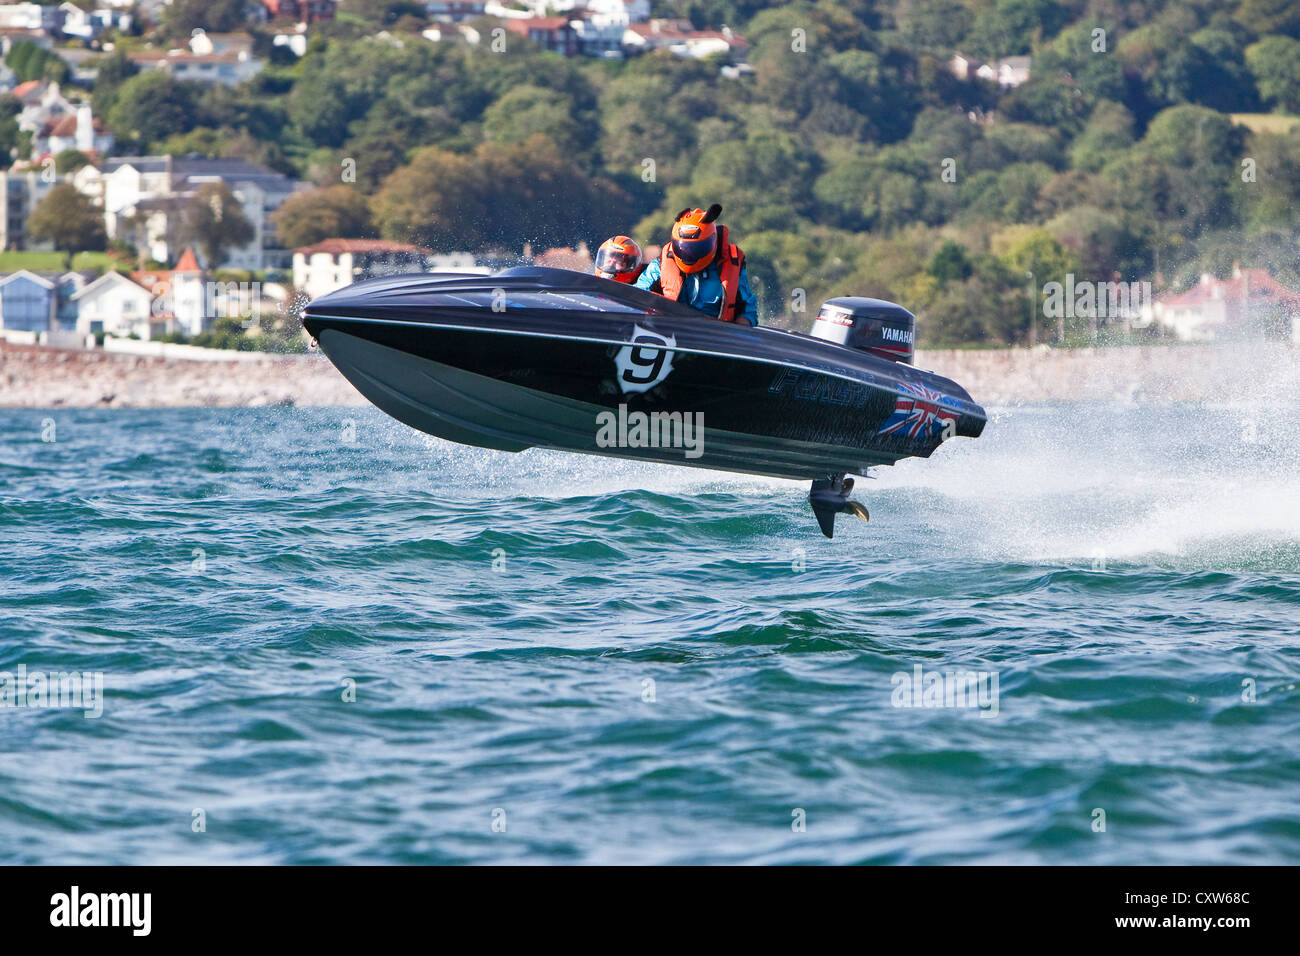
873, 325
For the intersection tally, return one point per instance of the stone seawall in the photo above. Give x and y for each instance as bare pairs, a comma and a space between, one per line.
33, 377
1156, 373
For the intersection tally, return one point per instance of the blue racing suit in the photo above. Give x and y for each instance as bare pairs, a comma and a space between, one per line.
703, 290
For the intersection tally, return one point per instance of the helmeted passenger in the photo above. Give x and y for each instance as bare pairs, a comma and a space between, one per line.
619, 259
703, 268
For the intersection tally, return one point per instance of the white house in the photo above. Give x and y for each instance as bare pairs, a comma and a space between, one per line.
80, 131
145, 197
1249, 304
601, 24
29, 16
617, 12
295, 43
88, 24
205, 44
679, 37
499, 10
43, 103
334, 263
1007, 72
116, 305
180, 295
600, 12
78, 22
229, 69
455, 31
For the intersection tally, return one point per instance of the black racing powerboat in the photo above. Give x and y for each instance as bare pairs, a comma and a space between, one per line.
547, 358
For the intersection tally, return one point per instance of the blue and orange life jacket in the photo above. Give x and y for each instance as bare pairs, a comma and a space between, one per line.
729, 260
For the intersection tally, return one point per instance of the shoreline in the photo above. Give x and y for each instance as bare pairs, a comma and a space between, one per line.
40, 377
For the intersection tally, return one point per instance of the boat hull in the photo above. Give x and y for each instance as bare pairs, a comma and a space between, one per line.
758, 401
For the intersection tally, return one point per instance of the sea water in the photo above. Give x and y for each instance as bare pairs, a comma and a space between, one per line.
325, 638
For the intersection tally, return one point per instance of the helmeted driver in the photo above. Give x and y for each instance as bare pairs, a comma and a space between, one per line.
702, 268
619, 258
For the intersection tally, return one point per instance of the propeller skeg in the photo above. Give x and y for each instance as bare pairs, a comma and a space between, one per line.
829, 497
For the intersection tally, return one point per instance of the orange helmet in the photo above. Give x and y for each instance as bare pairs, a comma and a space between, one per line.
695, 238
618, 259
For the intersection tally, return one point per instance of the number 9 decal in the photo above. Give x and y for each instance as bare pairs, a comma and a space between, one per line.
645, 362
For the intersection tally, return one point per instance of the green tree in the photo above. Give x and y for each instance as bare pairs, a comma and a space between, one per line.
1047, 99
762, 182
1095, 74
182, 17
9, 130
939, 25
333, 212
1273, 199
526, 110
635, 126
32, 62
69, 220
1105, 242
215, 220
1275, 63
1270, 16
70, 160
1192, 137
381, 13
1036, 251
950, 263
845, 193
114, 70
1223, 82
202, 140
503, 195
1009, 27
151, 107
1109, 132
439, 199
1006, 143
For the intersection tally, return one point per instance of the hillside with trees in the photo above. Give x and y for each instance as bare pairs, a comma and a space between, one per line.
851, 160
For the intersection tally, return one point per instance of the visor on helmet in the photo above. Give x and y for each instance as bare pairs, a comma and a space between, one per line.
691, 251
616, 261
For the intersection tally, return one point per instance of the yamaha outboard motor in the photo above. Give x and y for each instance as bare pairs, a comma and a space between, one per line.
873, 325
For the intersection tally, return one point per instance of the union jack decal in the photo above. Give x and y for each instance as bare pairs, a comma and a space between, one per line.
916, 413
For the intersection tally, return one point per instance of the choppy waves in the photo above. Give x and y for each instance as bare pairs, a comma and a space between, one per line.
623, 663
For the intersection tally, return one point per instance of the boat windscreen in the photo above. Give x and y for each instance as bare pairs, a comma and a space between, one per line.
563, 301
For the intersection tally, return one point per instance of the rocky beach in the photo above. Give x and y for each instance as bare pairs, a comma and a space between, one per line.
37, 377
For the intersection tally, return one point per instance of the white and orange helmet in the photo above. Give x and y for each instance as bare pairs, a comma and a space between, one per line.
619, 259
